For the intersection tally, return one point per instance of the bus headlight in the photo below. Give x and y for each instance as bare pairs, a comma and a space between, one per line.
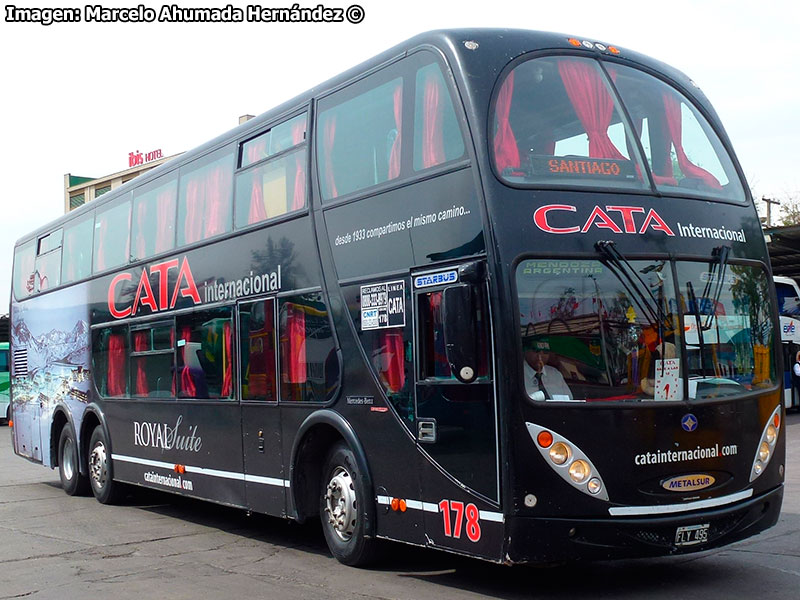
559, 453
766, 446
594, 486
772, 433
763, 452
579, 470
569, 461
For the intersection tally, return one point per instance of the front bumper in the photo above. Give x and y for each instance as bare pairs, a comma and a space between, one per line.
536, 540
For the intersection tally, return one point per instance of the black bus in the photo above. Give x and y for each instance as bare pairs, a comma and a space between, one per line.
497, 292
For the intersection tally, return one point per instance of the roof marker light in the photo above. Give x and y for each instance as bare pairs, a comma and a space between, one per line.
613, 50
574, 42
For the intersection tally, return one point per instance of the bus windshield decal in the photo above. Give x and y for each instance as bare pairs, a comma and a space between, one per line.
601, 219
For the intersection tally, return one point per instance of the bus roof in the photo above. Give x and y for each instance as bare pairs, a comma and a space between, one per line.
480, 68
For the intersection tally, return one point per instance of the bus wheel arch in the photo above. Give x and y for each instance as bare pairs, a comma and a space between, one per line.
316, 437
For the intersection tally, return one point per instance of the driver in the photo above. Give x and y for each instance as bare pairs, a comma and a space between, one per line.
543, 381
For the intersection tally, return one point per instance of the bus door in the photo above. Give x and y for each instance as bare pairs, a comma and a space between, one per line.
261, 429
456, 423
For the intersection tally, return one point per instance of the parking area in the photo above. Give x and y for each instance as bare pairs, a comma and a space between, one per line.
55, 546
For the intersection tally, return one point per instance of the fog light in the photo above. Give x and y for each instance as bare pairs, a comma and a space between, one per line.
758, 467
579, 471
771, 434
594, 486
763, 452
560, 453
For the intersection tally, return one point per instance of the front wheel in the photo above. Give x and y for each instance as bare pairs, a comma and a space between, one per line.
101, 476
72, 481
343, 506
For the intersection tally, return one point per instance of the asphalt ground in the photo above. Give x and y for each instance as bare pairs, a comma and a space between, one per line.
157, 545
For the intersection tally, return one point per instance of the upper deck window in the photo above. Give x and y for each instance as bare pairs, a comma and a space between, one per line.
682, 150
112, 228
204, 201
279, 138
558, 121
154, 218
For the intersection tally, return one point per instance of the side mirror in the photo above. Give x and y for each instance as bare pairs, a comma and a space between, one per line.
460, 321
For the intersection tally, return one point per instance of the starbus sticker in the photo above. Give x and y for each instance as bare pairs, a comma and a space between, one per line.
688, 483
432, 279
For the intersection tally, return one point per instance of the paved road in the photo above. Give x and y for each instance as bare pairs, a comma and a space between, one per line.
161, 546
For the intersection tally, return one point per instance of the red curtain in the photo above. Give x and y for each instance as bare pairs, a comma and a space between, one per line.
227, 362
394, 155
257, 210
165, 213
328, 137
294, 346
117, 374
592, 103
101, 244
141, 223
69, 249
188, 387
392, 365
672, 110
506, 152
207, 202
299, 197
140, 344
432, 134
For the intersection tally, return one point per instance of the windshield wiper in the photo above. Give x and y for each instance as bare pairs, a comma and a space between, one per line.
696, 314
719, 264
619, 262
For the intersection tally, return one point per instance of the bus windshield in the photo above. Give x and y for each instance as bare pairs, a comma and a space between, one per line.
559, 121
606, 331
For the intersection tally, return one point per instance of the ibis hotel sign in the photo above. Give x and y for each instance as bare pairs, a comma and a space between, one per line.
140, 158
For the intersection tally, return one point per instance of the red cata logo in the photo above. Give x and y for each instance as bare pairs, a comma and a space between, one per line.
137, 158
184, 287
601, 219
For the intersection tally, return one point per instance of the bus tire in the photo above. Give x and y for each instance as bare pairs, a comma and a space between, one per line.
101, 475
342, 504
72, 481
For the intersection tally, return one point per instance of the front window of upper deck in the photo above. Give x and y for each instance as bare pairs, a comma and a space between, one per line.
596, 330
560, 121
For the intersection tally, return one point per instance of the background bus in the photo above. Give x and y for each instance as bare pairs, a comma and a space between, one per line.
788, 295
468, 295
5, 398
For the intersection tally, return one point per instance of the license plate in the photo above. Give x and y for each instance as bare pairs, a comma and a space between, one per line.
691, 535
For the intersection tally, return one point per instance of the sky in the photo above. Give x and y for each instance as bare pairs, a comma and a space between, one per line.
79, 97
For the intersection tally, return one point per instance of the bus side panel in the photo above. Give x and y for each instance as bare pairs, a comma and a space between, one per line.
190, 448
50, 364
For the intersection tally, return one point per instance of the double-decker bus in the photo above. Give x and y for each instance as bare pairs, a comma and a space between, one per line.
496, 292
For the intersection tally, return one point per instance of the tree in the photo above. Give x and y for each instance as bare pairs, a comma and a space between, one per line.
790, 209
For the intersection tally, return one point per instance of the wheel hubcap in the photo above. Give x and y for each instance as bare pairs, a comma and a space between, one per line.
340, 504
98, 469
68, 460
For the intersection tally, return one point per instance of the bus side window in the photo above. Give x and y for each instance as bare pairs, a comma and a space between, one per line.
110, 361
205, 354
154, 218
152, 372
309, 368
257, 350
48, 262
359, 142
204, 200
437, 137
277, 186
76, 256
112, 228
24, 259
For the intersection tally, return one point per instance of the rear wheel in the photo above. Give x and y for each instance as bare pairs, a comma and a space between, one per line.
101, 476
342, 509
72, 481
